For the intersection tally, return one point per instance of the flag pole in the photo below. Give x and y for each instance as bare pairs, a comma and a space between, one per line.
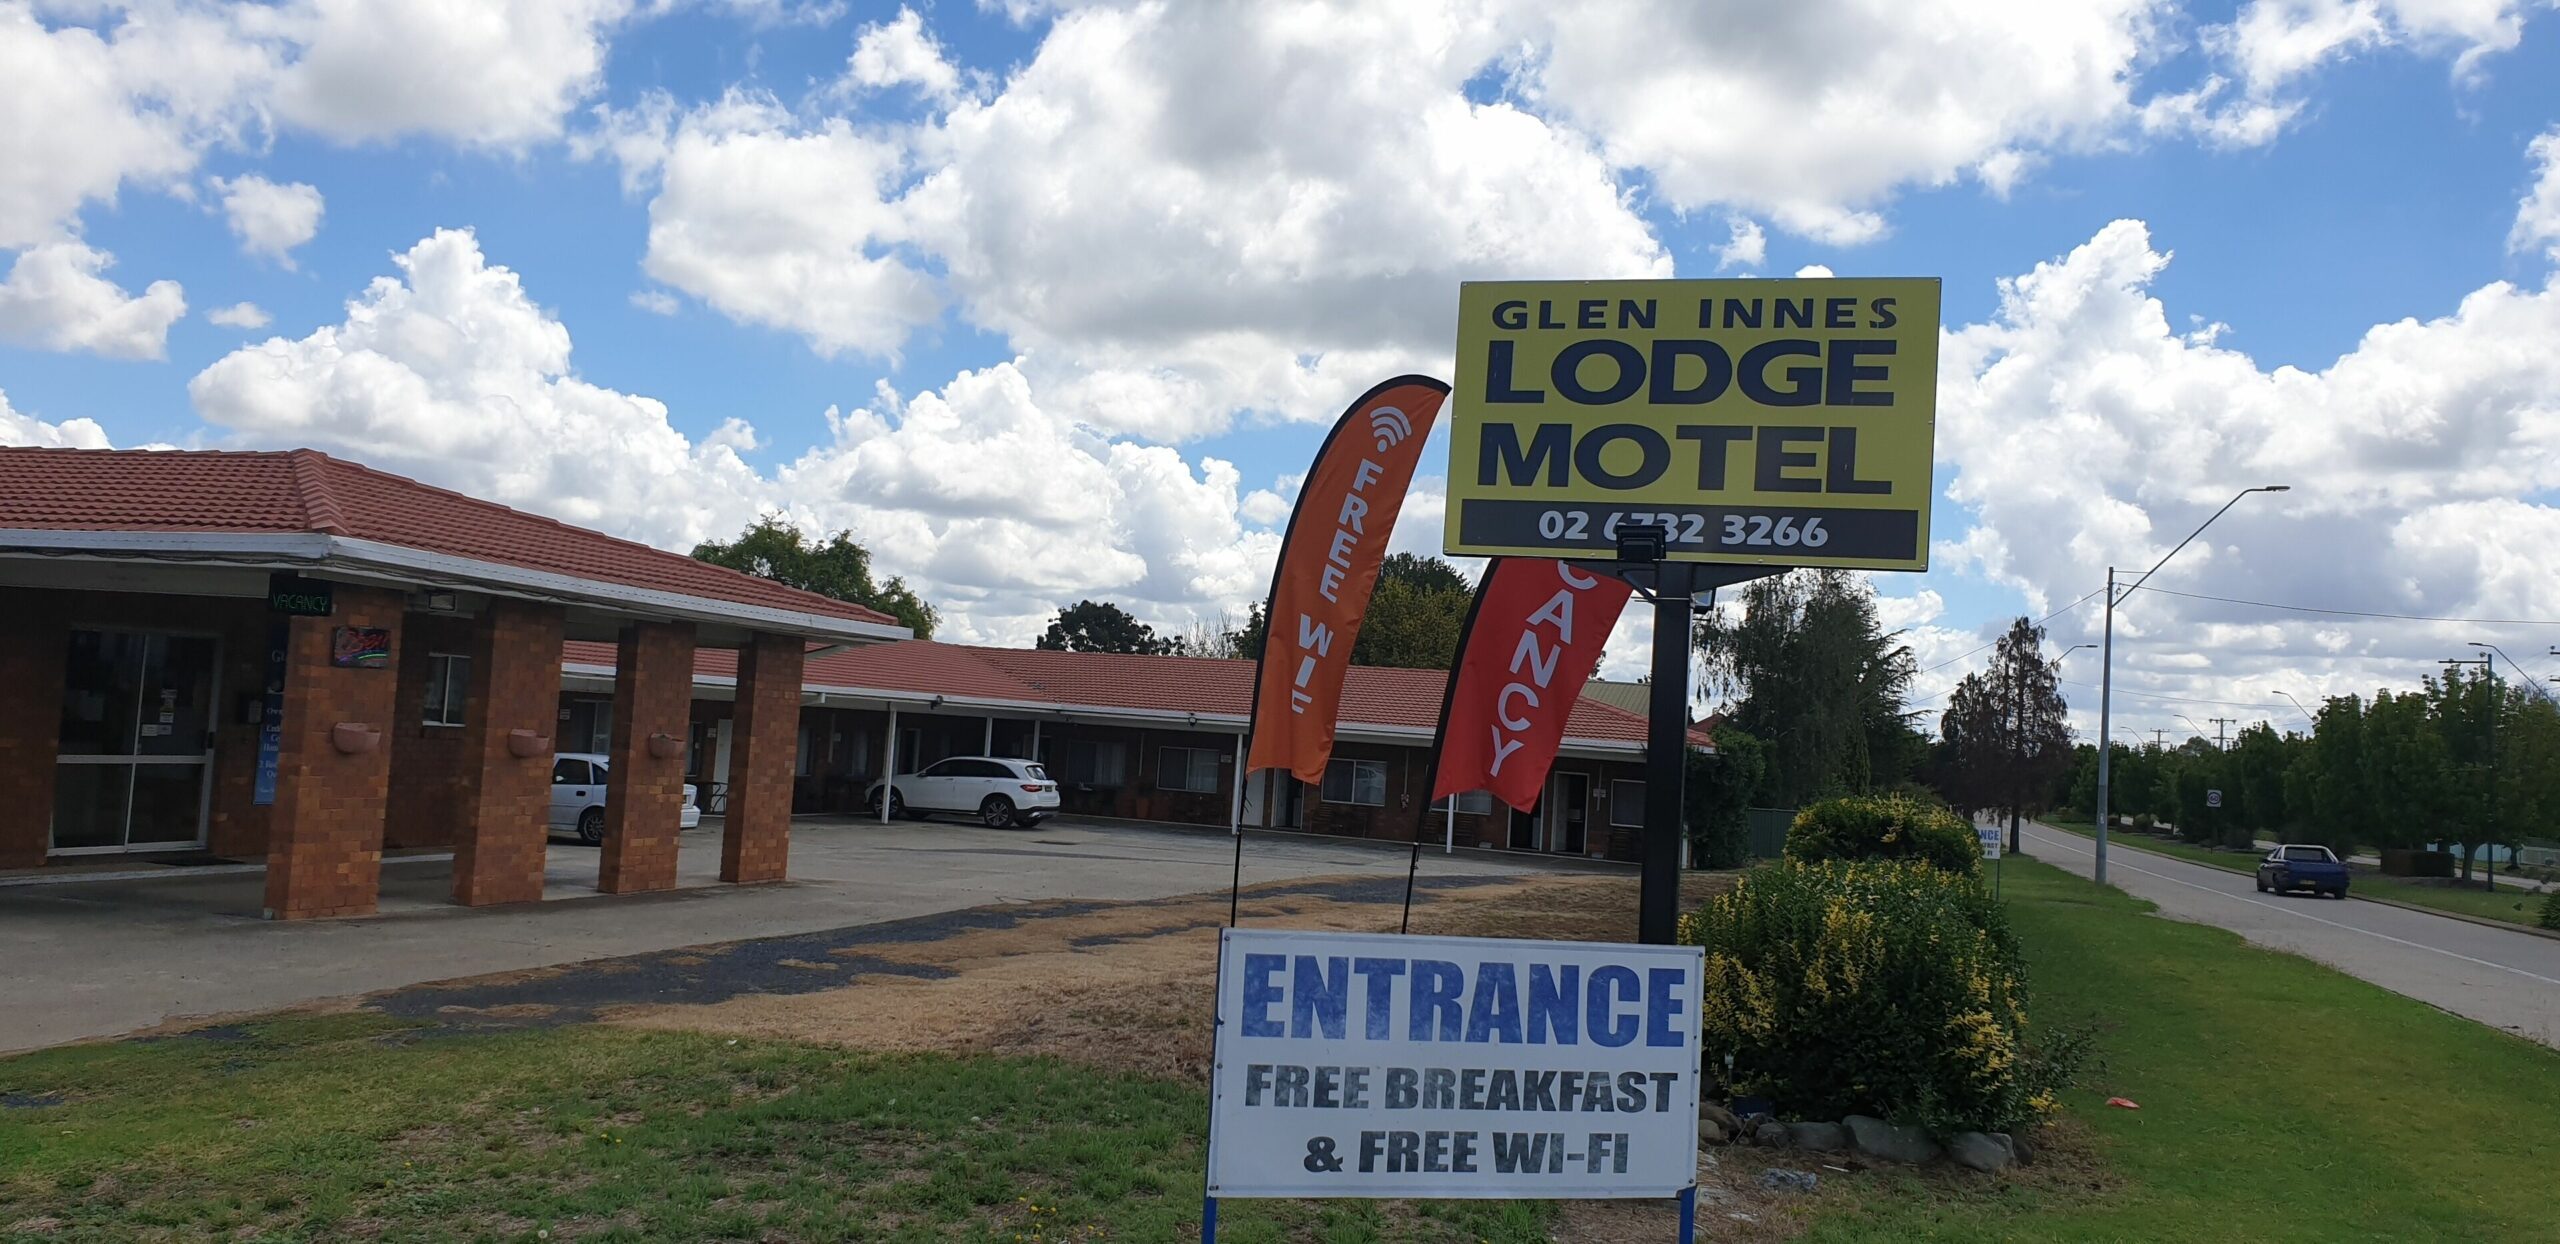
1440, 743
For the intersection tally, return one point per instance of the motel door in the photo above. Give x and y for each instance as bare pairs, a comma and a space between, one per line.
136, 746
1573, 814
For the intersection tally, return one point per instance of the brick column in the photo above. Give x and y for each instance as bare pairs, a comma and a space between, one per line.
499, 845
644, 794
32, 642
324, 850
764, 748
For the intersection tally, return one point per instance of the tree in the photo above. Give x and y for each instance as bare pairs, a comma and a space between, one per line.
2005, 727
1816, 678
1100, 626
1721, 790
772, 549
1413, 619
1415, 614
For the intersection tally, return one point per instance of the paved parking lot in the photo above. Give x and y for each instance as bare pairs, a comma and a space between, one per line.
100, 958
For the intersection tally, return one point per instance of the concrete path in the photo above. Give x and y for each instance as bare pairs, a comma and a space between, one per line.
2508, 980
90, 959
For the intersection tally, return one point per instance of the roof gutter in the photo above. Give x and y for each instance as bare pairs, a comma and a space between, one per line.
373, 559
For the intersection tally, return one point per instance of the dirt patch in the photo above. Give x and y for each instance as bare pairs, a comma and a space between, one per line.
1126, 986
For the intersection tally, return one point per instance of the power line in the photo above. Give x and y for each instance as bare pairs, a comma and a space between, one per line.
2151, 695
2040, 621
2353, 613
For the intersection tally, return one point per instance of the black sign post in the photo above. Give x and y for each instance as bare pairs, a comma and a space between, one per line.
1672, 587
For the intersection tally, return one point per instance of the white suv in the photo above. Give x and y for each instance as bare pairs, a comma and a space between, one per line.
577, 796
999, 791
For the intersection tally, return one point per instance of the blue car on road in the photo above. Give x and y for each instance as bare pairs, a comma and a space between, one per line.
2303, 866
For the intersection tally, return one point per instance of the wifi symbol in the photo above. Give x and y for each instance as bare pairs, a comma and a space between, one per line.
1390, 426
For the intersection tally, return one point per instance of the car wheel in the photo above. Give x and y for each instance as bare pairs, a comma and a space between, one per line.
996, 812
591, 827
2262, 885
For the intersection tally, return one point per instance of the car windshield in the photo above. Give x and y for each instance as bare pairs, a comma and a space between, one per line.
2308, 855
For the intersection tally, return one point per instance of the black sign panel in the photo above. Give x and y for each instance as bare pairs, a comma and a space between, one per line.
300, 597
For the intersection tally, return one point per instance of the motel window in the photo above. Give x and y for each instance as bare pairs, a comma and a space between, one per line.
1097, 762
1187, 768
448, 680
800, 765
1626, 804
1359, 782
1470, 803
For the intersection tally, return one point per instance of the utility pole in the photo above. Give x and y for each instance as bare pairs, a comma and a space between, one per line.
2158, 738
2220, 726
2107, 664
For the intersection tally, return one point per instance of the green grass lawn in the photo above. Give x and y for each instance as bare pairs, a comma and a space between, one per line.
2281, 1100
347, 1127
2512, 906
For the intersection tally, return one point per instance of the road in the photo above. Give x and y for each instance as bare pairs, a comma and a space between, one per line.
2504, 979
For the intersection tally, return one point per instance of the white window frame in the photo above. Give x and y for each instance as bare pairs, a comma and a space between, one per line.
1355, 801
1618, 799
441, 667
1173, 777
1470, 803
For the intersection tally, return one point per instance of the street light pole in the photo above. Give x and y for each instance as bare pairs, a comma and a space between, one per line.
2307, 714
2107, 661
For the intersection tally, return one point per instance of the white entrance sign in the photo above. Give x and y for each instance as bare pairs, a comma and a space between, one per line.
1377, 1065
1990, 836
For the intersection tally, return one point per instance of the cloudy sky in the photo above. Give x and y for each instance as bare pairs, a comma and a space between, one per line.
1046, 301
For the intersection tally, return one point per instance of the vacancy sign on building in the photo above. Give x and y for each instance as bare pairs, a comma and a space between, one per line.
1778, 422
1370, 1065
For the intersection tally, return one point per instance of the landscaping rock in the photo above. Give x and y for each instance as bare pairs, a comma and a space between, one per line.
1777, 1180
1983, 1151
1823, 1137
1770, 1135
1711, 1132
1879, 1139
2023, 1145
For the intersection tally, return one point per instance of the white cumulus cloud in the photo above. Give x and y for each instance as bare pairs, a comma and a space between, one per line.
495, 73
2083, 430
19, 428
996, 507
239, 315
57, 297
2538, 215
270, 219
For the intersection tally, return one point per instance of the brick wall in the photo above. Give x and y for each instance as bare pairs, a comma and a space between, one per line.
430, 765
763, 745
502, 834
324, 853
644, 794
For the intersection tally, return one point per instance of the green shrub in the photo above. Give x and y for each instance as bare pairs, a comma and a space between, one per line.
2550, 915
1885, 988
1884, 827
2143, 824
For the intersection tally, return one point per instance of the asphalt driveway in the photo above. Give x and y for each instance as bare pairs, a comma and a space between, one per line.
101, 958
2503, 978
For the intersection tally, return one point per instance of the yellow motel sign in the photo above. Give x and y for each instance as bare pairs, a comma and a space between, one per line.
1781, 422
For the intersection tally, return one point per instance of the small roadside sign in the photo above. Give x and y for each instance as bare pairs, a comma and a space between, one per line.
1377, 1065
2213, 799
1990, 837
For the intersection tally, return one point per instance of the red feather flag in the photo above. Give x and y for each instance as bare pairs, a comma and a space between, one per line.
1534, 637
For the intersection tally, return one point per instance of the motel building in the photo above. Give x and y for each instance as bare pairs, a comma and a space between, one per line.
291, 658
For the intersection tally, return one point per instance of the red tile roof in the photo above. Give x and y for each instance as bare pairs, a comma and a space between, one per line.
304, 491
1372, 696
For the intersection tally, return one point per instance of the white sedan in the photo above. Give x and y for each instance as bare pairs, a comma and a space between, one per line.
998, 790
577, 796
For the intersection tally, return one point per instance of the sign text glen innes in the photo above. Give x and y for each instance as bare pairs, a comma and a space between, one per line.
1777, 421
1369, 1065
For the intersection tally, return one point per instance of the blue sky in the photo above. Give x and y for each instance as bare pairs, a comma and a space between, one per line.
1079, 224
